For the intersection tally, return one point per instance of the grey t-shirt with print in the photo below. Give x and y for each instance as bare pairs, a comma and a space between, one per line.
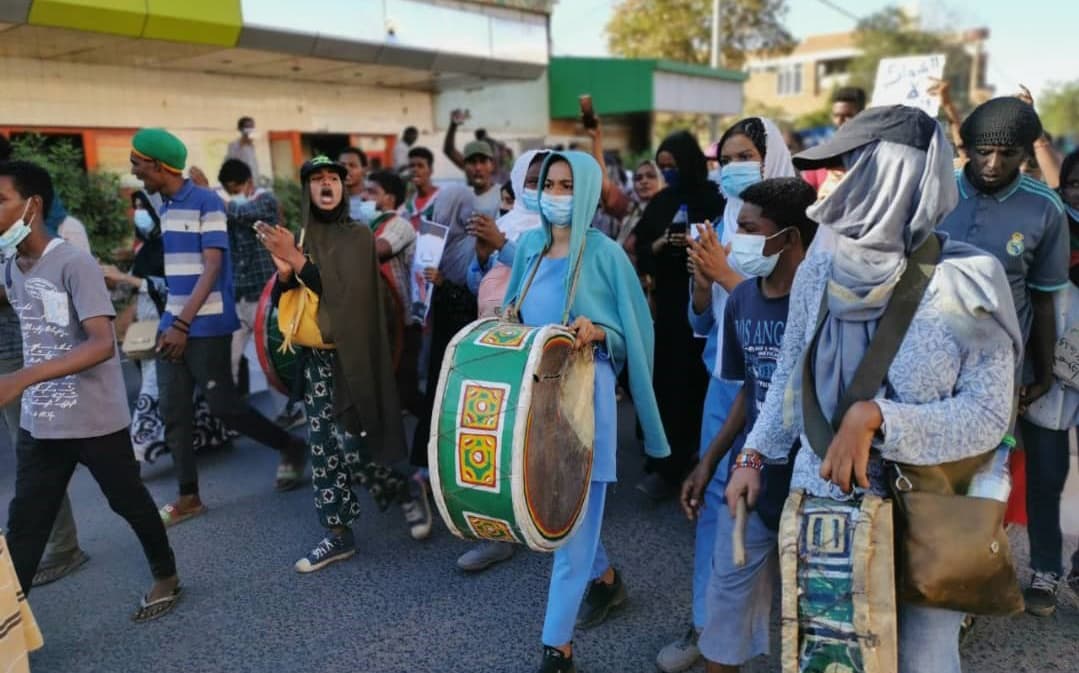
60, 292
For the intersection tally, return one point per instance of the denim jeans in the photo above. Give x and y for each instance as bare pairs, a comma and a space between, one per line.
64, 539
44, 469
1047, 471
207, 364
928, 640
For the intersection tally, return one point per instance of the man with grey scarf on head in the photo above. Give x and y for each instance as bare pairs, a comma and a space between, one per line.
1021, 222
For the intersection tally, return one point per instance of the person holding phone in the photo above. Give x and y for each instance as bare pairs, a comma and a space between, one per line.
681, 379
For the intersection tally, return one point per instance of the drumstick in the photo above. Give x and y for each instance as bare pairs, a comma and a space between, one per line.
738, 535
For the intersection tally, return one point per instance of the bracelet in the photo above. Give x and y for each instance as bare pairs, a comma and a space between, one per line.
180, 320
179, 328
752, 460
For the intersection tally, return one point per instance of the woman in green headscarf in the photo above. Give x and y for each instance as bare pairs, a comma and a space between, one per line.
354, 425
609, 314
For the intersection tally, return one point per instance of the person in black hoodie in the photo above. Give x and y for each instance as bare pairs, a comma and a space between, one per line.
680, 378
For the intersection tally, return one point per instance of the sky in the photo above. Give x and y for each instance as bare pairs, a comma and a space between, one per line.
1033, 42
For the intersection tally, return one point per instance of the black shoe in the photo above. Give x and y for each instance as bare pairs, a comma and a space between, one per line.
1073, 580
1041, 597
656, 488
556, 662
600, 601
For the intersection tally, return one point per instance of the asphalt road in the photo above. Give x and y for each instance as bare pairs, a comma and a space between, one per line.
398, 605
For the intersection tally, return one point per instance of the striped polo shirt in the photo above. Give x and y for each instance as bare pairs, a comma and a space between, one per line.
1023, 225
193, 220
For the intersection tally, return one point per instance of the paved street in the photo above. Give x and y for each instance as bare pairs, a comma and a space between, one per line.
399, 605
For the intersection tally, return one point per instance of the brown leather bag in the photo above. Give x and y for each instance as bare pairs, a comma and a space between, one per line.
951, 549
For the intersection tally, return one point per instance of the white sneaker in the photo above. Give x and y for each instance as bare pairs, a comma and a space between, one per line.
484, 555
680, 655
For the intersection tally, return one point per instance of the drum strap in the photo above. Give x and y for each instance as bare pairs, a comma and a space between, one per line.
872, 370
514, 313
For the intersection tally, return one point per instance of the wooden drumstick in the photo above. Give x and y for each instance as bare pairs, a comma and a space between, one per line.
738, 535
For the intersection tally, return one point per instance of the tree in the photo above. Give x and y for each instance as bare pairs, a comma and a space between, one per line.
94, 198
1058, 107
891, 32
681, 30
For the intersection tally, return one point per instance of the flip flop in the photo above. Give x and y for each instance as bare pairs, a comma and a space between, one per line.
51, 574
172, 515
151, 610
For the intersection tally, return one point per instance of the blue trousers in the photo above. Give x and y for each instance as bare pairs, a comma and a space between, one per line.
717, 404
576, 563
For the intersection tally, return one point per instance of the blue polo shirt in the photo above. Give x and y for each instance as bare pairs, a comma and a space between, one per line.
1024, 226
193, 220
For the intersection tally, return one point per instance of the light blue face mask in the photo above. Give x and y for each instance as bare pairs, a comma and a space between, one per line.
239, 199
368, 212
737, 176
558, 209
530, 199
144, 222
714, 175
15, 234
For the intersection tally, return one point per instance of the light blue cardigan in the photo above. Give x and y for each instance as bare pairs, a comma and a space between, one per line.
608, 291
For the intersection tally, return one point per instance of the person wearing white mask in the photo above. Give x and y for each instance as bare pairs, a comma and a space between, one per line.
496, 245
748, 151
243, 148
771, 241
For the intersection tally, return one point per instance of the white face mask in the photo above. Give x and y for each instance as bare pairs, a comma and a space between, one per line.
558, 209
15, 234
747, 254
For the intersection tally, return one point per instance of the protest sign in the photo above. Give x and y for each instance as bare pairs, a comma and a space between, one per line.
429, 246
907, 80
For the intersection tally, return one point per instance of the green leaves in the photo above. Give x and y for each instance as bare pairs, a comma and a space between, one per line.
93, 198
681, 30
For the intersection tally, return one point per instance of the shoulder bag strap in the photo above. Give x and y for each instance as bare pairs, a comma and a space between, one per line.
872, 370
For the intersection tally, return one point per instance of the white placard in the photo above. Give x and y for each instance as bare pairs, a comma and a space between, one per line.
429, 246
906, 81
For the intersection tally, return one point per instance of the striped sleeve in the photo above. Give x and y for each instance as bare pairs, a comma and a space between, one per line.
213, 225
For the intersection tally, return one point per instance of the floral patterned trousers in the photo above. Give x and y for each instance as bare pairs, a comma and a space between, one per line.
337, 456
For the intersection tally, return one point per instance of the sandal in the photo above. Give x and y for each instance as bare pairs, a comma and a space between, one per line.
151, 610
51, 574
172, 515
288, 477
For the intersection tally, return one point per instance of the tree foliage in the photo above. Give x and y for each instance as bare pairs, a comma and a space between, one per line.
891, 32
1059, 108
681, 30
94, 198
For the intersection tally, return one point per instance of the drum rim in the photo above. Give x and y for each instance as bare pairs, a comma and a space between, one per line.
261, 343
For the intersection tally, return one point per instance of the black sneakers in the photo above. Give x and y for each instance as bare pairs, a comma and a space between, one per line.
599, 601
1041, 597
556, 662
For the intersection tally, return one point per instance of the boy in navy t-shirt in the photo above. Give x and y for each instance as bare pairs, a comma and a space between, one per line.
773, 235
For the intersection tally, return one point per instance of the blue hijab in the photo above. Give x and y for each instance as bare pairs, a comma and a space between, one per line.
608, 291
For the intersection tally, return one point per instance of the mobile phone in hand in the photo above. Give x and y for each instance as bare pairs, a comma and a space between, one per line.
677, 228
588, 114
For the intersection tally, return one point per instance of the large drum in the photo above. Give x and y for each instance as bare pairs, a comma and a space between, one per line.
512, 434
276, 365
838, 601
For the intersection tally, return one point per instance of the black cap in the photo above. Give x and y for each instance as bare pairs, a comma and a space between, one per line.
896, 123
320, 162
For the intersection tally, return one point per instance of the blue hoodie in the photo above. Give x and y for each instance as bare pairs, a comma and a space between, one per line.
608, 291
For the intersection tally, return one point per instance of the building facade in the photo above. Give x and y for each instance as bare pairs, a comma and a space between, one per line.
96, 70
802, 81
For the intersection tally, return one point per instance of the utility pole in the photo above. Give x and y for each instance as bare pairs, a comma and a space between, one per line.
715, 33
714, 119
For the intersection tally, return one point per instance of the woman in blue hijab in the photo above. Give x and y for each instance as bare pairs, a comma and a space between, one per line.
609, 314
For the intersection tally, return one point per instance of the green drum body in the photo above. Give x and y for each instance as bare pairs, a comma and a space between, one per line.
512, 434
278, 367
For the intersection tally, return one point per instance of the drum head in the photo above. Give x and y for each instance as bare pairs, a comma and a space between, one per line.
559, 438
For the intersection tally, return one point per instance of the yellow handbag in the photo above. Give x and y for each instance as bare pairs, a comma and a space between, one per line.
297, 318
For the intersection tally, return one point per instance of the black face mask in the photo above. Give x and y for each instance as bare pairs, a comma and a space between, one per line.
503, 211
